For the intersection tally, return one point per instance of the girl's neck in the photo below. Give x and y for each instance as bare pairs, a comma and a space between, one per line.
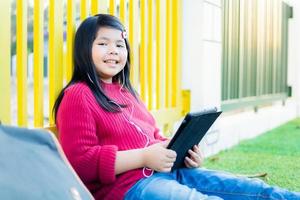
108, 81
110, 85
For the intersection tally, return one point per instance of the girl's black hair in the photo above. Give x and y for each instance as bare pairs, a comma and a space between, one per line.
84, 68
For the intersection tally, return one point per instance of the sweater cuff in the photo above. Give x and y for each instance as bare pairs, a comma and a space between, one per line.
107, 159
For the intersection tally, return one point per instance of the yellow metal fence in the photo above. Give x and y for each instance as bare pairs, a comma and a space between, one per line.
154, 28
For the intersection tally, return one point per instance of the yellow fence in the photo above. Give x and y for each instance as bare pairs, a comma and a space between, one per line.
154, 29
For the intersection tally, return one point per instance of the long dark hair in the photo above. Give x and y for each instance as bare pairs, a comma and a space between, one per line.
84, 67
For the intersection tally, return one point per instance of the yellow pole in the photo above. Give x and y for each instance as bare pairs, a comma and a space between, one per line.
5, 41
123, 11
158, 54
112, 5
150, 54
22, 62
38, 62
179, 101
143, 50
70, 37
94, 7
169, 63
55, 53
133, 34
175, 76
83, 9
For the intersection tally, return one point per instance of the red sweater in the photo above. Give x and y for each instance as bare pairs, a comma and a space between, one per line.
91, 136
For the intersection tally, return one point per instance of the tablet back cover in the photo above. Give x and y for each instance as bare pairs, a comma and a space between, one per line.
190, 133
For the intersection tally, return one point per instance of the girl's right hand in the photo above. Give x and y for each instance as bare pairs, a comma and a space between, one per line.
159, 158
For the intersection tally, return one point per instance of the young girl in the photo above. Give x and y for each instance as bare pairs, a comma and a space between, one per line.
111, 139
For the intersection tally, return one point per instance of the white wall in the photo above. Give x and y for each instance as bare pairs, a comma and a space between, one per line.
202, 52
202, 75
294, 51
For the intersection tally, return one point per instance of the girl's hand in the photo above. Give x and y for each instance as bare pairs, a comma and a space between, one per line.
159, 158
195, 159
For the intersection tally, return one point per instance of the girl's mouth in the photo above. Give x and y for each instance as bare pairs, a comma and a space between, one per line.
111, 61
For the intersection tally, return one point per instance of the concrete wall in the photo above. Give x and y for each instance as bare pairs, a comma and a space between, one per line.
202, 75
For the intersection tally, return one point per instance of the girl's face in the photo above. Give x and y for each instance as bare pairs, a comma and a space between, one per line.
109, 53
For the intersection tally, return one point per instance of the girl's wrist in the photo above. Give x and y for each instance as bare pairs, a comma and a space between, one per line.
144, 156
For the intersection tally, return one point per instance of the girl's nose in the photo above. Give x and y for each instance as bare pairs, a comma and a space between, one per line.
113, 50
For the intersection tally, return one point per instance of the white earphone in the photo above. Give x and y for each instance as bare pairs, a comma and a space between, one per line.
128, 119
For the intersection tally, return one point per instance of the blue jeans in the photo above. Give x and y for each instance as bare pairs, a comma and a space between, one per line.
206, 184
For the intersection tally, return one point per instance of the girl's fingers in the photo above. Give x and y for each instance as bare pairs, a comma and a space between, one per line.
195, 157
169, 160
190, 163
168, 165
171, 154
187, 164
198, 151
201, 155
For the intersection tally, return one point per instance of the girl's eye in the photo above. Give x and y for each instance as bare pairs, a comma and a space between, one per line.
102, 44
120, 45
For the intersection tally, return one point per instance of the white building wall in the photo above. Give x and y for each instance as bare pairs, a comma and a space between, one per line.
202, 76
202, 52
294, 51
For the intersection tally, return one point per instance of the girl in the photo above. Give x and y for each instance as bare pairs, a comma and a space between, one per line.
111, 139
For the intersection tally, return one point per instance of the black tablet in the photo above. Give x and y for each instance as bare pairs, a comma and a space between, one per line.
190, 132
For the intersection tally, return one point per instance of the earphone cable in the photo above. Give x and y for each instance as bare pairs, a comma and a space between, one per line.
136, 126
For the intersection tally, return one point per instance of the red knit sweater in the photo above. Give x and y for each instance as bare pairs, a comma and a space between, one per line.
91, 136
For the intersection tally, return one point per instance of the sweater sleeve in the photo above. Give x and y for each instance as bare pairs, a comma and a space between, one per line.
77, 129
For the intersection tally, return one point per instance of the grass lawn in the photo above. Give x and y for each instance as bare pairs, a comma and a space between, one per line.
276, 153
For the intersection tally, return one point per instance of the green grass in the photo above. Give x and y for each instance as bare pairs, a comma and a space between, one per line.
276, 153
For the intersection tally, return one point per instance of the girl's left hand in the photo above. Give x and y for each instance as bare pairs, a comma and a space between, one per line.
195, 159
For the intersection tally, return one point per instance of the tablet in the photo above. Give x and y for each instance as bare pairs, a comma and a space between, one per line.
190, 132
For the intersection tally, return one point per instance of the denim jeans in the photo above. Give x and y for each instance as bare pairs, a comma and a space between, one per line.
199, 183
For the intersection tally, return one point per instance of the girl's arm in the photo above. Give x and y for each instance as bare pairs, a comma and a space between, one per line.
156, 157
128, 160
78, 138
